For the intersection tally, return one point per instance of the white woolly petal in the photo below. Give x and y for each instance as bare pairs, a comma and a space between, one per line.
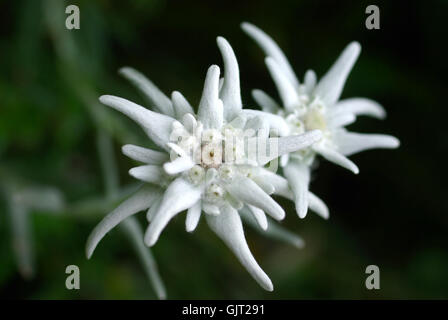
210, 111
239, 121
256, 123
229, 228
259, 216
330, 86
289, 144
221, 82
149, 173
157, 126
153, 209
180, 195
189, 122
265, 185
274, 230
298, 176
318, 206
286, 90
282, 188
341, 120
181, 105
271, 48
179, 165
279, 183
210, 209
360, 106
310, 81
261, 128
247, 191
276, 123
177, 149
350, 142
144, 155
156, 97
265, 101
278, 232
141, 200
193, 216
337, 158
284, 159
230, 93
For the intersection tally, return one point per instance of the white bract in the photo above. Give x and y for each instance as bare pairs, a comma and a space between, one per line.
310, 106
203, 165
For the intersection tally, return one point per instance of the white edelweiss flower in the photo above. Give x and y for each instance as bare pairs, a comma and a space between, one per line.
203, 165
311, 106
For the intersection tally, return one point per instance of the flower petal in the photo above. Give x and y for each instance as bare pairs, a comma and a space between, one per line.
360, 106
229, 228
193, 216
276, 123
141, 200
282, 189
298, 176
157, 126
279, 183
260, 125
330, 86
247, 191
337, 158
230, 93
275, 230
149, 173
153, 209
180, 195
156, 97
210, 111
144, 155
189, 122
285, 145
350, 142
179, 165
341, 120
310, 81
180, 105
259, 216
210, 209
265, 101
288, 94
278, 232
271, 48
238, 122
318, 206
266, 186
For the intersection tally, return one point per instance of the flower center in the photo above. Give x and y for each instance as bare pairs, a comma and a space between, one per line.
315, 119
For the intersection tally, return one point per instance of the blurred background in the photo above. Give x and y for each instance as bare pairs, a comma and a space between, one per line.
59, 148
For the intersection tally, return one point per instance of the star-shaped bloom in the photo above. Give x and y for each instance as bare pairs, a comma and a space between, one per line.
315, 105
203, 165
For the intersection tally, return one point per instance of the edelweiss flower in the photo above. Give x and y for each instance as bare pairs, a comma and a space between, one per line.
203, 165
311, 106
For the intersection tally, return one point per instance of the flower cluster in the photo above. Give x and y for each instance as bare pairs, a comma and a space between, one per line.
218, 162
315, 105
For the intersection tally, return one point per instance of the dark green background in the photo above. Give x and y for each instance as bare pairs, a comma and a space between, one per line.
393, 214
